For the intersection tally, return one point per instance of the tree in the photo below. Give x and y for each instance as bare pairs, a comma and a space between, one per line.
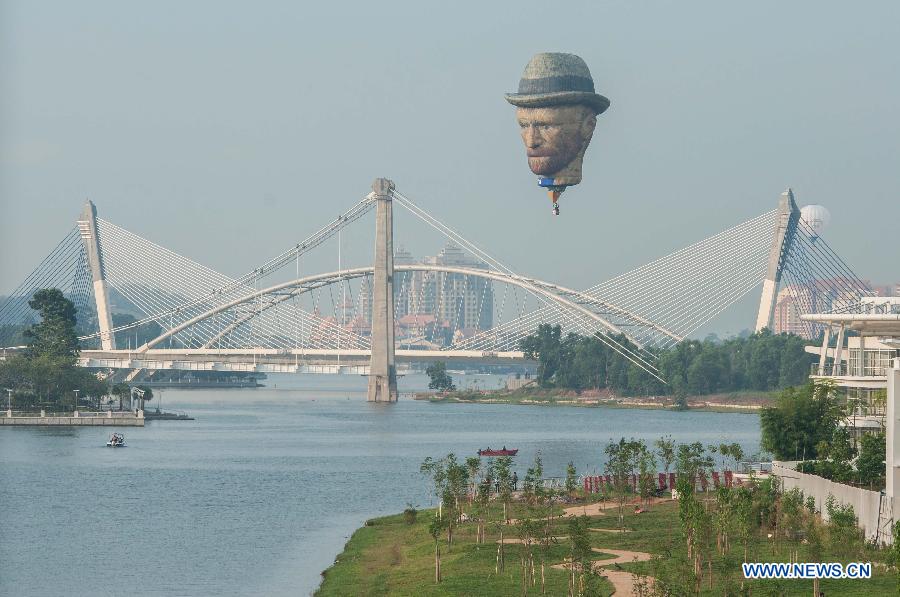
450, 483
483, 500
665, 447
545, 347
844, 536
55, 335
799, 421
435, 528
438, 377
121, 391
503, 472
620, 462
582, 579
473, 464
571, 479
646, 472
737, 453
144, 394
870, 464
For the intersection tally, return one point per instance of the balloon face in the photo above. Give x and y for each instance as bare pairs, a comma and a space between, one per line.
556, 138
557, 108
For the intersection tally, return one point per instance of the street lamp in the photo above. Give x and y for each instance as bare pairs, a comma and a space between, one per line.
8, 399
76, 399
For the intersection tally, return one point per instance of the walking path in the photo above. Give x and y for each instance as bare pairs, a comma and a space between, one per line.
622, 581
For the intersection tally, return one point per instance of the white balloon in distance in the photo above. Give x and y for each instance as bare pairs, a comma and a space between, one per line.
816, 217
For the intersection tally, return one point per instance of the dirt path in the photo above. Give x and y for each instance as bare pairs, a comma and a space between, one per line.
623, 582
597, 508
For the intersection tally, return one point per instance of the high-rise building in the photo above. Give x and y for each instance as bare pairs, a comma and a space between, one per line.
786, 318
465, 302
453, 303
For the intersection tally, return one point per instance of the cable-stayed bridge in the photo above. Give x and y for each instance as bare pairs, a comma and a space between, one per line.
368, 319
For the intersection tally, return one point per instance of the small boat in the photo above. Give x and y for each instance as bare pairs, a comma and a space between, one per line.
116, 440
501, 452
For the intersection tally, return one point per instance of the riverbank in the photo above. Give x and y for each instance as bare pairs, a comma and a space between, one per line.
730, 402
391, 556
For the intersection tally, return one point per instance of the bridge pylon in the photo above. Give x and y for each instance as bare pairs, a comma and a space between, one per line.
382, 370
87, 226
786, 229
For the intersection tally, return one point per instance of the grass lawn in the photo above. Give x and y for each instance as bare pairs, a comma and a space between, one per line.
391, 557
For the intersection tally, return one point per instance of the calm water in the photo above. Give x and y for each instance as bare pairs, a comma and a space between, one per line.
260, 492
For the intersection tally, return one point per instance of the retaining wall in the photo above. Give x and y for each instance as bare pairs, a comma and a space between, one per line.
129, 420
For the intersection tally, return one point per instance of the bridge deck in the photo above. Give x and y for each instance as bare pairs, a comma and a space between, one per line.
281, 361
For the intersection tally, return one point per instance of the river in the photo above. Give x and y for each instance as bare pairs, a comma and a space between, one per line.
260, 492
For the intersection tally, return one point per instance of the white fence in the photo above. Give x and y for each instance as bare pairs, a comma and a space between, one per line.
870, 507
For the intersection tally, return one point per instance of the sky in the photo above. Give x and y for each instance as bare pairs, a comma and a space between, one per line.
228, 131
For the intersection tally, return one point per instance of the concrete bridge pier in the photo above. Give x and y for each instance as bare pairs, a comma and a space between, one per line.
382, 370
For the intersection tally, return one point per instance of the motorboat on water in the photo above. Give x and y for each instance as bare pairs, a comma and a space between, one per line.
501, 452
116, 440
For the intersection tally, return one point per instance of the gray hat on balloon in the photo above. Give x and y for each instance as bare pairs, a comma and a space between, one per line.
553, 79
557, 108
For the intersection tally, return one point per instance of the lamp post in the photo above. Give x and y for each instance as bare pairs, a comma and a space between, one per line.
9, 399
76, 400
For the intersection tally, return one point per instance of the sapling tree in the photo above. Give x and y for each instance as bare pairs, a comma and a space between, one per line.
473, 465
435, 528
646, 471
571, 479
450, 483
483, 500
619, 462
665, 447
503, 474
792, 514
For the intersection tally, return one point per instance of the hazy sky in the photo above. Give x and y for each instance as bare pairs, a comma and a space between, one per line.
228, 131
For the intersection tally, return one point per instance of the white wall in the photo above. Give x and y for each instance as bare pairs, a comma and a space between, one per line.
865, 503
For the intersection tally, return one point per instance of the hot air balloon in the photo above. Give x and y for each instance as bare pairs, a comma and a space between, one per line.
816, 218
557, 109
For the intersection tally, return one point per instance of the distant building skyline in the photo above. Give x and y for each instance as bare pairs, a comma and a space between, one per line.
793, 300
435, 307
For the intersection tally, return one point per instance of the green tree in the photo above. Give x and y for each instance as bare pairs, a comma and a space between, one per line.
438, 377
121, 391
55, 335
571, 479
546, 348
503, 475
646, 472
870, 464
583, 581
665, 447
620, 461
450, 481
799, 420
473, 465
435, 528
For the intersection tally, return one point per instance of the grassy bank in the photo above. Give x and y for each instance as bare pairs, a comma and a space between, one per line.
391, 557
388, 556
